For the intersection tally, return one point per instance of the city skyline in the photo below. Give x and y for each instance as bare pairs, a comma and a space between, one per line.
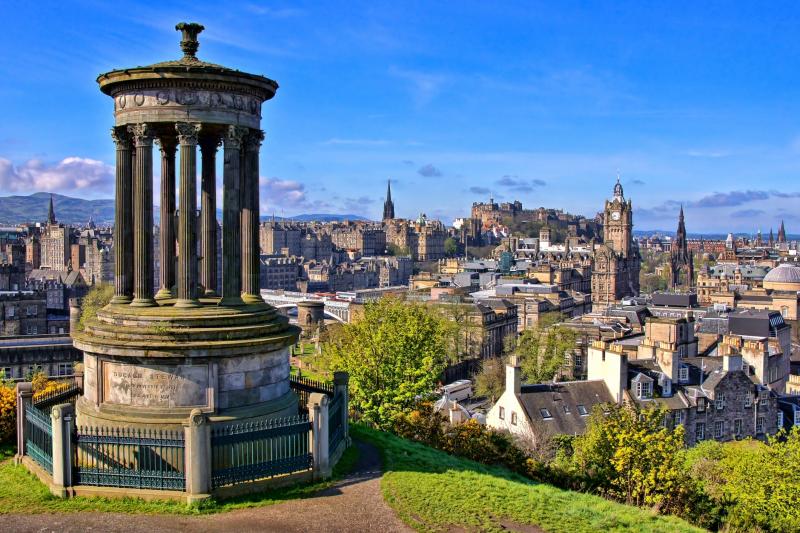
527, 104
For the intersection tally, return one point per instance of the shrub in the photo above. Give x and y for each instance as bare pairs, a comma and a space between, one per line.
8, 413
97, 298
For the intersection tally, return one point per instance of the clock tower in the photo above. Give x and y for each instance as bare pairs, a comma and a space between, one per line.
616, 262
618, 222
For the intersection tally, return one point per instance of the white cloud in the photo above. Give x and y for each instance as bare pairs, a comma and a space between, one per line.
70, 175
276, 192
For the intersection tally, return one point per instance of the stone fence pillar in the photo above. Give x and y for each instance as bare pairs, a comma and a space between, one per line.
340, 381
63, 420
197, 456
318, 415
24, 399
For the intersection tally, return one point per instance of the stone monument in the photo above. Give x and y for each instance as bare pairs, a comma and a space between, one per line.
151, 358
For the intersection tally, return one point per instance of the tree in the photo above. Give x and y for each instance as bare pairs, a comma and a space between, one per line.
394, 354
450, 246
628, 453
542, 351
463, 333
396, 250
491, 380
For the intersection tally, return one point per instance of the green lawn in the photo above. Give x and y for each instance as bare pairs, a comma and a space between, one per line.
22, 492
433, 491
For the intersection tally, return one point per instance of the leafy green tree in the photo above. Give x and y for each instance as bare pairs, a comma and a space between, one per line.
463, 332
629, 454
450, 246
542, 351
393, 354
754, 485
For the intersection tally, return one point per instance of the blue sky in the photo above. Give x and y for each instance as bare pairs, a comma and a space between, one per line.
538, 101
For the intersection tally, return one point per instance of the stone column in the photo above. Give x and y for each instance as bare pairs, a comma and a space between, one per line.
143, 216
187, 216
340, 381
208, 215
251, 250
197, 459
231, 218
318, 415
166, 241
62, 418
24, 399
123, 212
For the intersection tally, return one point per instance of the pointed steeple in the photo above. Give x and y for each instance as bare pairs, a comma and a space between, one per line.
51, 214
781, 233
771, 238
388, 205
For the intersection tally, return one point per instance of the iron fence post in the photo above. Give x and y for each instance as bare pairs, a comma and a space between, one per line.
24, 399
62, 416
197, 456
340, 381
318, 412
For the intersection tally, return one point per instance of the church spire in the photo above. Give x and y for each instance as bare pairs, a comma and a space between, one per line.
781, 233
51, 214
388, 205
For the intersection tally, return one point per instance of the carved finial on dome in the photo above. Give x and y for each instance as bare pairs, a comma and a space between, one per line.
189, 43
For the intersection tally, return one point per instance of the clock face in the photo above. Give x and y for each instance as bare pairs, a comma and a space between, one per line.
615, 215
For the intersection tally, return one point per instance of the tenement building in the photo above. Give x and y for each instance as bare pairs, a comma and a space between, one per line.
55, 243
615, 273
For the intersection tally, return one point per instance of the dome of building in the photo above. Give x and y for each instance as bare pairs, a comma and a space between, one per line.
783, 277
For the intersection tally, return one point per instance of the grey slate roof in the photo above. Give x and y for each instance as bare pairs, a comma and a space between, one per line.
555, 397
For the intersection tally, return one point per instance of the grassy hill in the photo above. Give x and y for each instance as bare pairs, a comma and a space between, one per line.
433, 491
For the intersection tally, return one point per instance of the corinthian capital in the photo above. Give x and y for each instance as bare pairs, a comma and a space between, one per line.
254, 139
142, 134
121, 138
187, 132
233, 137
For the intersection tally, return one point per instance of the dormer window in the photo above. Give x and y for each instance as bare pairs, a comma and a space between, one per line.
545, 413
582, 410
683, 374
644, 389
666, 388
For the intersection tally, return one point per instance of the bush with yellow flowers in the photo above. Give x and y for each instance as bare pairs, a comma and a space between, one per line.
42, 387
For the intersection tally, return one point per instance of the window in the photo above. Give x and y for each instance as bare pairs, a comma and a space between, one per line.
720, 401
64, 369
737, 427
701, 404
61, 331
678, 417
719, 426
644, 389
32, 311
32, 330
748, 400
764, 401
582, 410
780, 419
579, 361
797, 416
545, 413
566, 409
11, 312
513, 418
667, 387
5, 373
501, 413
760, 425
699, 431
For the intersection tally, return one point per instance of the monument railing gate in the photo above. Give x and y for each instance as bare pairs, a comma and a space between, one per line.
200, 460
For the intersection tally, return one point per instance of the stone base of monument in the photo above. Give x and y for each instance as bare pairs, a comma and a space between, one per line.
150, 367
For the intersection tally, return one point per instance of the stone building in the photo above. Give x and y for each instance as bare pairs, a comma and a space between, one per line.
54, 355
615, 270
366, 239
713, 397
55, 245
279, 272
23, 313
423, 239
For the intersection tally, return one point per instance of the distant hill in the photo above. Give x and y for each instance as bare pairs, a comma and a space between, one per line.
73, 211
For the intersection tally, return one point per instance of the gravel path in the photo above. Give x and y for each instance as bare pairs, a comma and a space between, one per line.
354, 503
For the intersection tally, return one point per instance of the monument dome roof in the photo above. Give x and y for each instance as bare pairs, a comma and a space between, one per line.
783, 273
187, 69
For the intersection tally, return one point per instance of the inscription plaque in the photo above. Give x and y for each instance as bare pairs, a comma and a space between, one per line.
160, 386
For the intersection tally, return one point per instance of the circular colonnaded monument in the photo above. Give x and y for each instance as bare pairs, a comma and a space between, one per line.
153, 355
